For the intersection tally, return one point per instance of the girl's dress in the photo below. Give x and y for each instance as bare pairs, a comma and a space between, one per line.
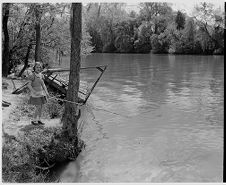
39, 97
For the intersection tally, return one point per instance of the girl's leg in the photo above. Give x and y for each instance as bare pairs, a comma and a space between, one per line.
40, 112
36, 113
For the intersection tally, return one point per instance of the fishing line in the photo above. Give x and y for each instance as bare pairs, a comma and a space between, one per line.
141, 69
80, 104
110, 112
54, 97
128, 69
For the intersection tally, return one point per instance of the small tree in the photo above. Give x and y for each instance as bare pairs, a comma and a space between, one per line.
180, 20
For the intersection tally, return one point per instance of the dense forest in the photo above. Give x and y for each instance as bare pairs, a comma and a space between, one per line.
107, 27
156, 28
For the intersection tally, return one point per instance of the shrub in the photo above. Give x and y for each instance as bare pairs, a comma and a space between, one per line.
53, 109
95, 39
142, 46
124, 44
19, 155
159, 43
109, 48
27, 158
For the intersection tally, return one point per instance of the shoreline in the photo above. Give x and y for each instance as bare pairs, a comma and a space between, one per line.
14, 123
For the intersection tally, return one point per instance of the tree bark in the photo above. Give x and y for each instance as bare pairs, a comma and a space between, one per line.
70, 117
38, 33
26, 58
5, 54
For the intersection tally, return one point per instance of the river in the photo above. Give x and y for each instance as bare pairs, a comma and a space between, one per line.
153, 118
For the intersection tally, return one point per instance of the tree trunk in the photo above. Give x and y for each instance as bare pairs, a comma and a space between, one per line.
5, 53
70, 117
26, 58
38, 33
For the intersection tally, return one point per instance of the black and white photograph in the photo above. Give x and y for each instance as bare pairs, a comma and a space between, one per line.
112, 91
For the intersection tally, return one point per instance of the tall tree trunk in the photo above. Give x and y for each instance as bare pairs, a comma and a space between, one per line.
70, 117
26, 58
38, 33
5, 53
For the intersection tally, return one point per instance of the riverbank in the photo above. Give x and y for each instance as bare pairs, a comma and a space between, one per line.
30, 151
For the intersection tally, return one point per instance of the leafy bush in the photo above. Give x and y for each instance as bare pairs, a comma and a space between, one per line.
96, 40
28, 157
109, 48
142, 46
53, 108
124, 44
19, 156
159, 43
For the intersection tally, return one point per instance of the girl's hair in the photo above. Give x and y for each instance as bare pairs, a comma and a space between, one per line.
37, 63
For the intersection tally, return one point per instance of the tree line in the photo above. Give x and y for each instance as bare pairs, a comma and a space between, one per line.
35, 30
156, 27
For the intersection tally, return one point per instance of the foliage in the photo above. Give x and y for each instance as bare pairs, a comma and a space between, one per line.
159, 14
27, 157
218, 35
109, 48
160, 43
55, 35
180, 20
102, 19
210, 22
124, 39
124, 44
143, 44
176, 42
160, 24
53, 108
112, 28
19, 157
107, 27
150, 9
189, 37
95, 40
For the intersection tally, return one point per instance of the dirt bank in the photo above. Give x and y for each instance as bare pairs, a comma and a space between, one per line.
18, 115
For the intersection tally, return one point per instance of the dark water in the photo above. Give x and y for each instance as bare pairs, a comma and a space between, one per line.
162, 119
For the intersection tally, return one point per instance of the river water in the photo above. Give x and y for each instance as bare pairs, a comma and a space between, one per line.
153, 118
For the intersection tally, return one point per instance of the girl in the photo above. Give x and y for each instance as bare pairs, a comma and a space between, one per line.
38, 93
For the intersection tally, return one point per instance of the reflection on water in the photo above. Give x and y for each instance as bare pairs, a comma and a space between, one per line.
171, 123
